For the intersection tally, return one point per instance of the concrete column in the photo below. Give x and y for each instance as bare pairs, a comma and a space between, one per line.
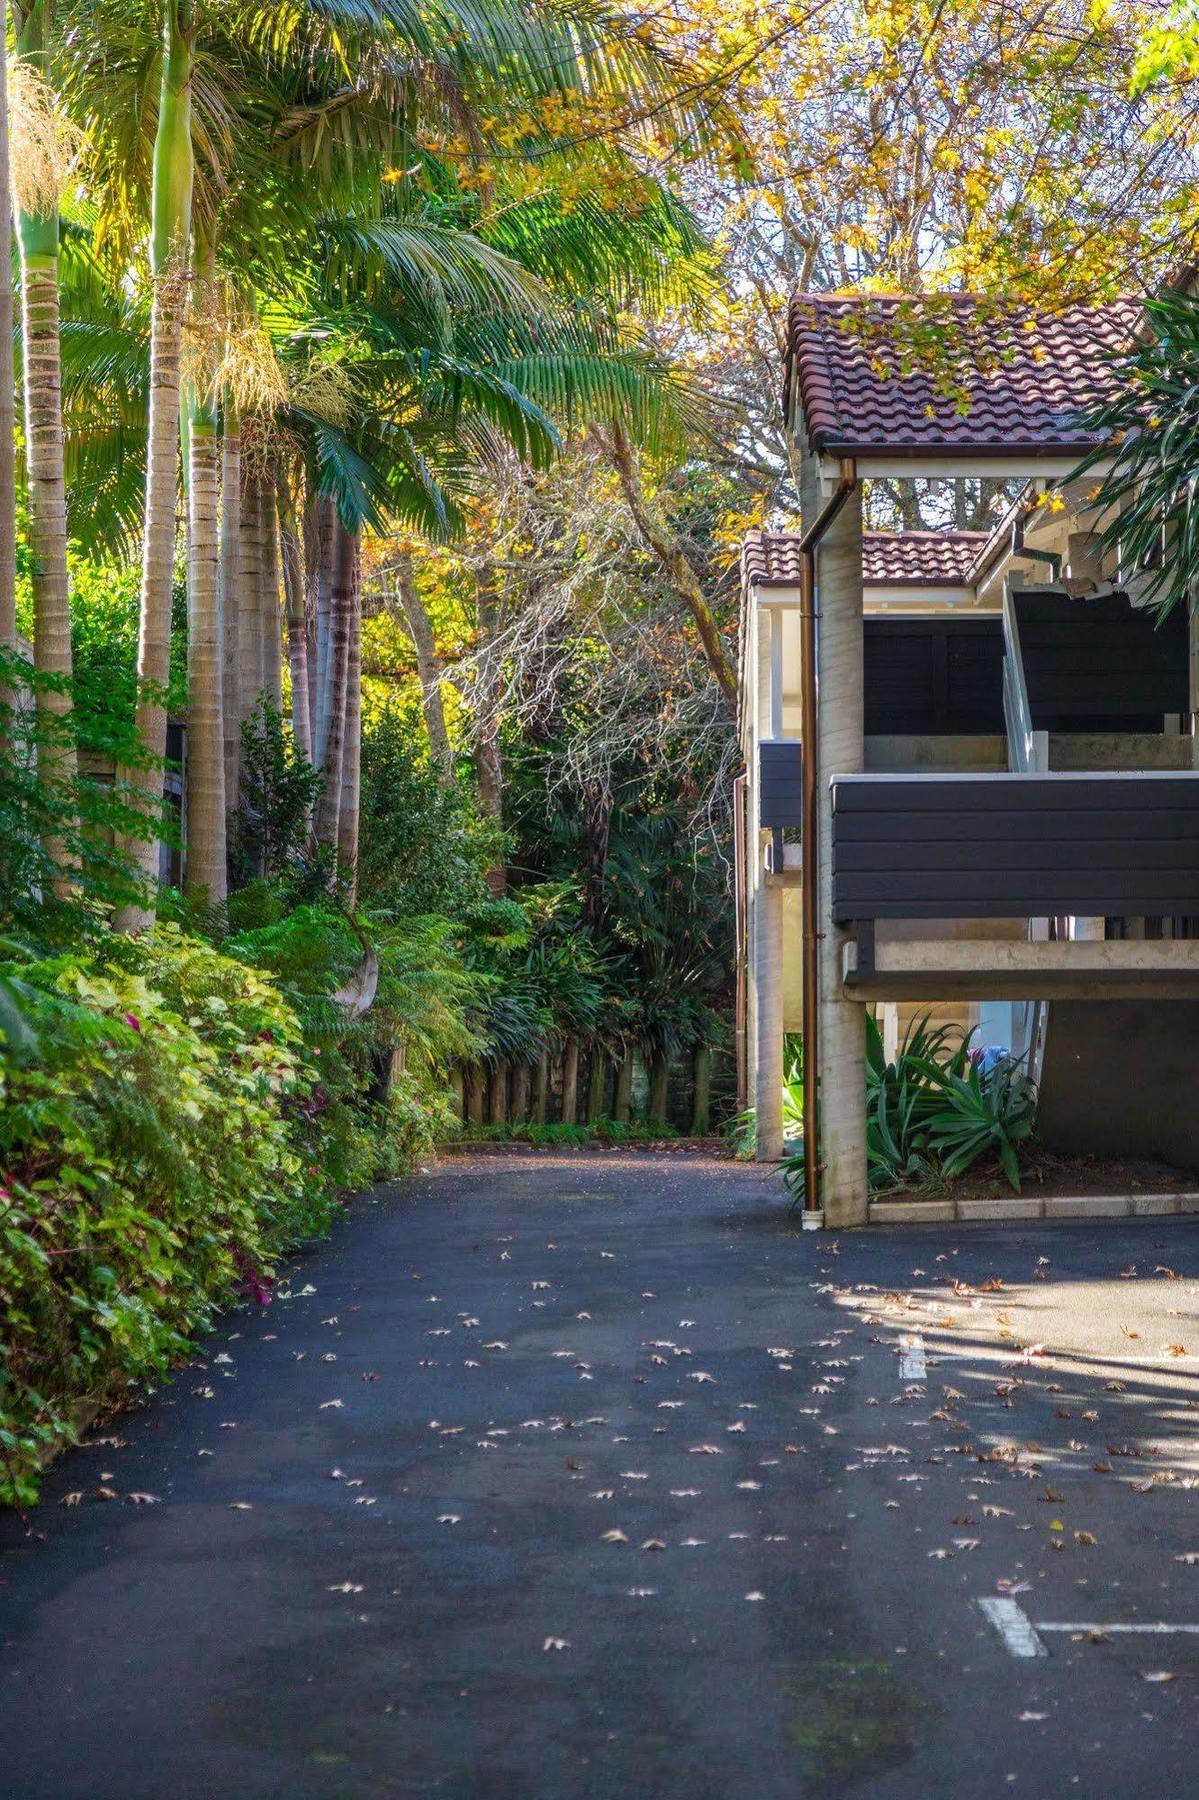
768, 1018
764, 1022
842, 752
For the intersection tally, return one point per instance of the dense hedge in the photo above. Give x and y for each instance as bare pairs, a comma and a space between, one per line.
164, 1134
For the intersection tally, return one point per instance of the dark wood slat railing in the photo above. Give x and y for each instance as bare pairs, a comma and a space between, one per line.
1015, 846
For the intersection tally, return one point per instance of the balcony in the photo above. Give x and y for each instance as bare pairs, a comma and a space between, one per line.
922, 848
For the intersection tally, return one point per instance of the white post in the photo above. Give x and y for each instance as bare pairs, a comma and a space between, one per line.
842, 1050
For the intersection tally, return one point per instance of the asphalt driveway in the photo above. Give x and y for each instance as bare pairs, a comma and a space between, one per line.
586, 1478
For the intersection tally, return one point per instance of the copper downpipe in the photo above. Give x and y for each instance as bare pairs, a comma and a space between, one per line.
809, 898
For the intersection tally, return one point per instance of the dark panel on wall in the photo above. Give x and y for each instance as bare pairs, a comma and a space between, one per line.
780, 793
944, 847
933, 677
1100, 664
1119, 1079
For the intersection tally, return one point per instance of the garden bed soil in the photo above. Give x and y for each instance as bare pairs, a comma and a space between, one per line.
1046, 1176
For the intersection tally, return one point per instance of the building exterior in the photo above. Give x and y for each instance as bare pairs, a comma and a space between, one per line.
971, 781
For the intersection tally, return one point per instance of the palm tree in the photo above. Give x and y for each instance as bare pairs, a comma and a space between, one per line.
8, 492
205, 864
39, 169
170, 251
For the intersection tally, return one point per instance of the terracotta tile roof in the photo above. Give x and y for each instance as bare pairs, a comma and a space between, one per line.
889, 558
1007, 381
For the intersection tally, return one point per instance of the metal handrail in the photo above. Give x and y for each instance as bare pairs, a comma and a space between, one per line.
1017, 712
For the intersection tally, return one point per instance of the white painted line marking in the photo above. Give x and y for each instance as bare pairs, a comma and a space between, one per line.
911, 1357
1107, 1630
1013, 1625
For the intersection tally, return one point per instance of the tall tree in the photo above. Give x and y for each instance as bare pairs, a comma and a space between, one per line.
170, 251
8, 492
428, 663
295, 602
39, 173
205, 864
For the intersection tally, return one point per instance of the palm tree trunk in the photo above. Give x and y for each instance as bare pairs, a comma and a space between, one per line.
541, 1088
8, 420
659, 1087
37, 235
170, 244
341, 602
231, 597
597, 1085
474, 1095
297, 622
488, 771
272, 617
623, 1102
499, 1094
428, 665
250, 623
325, 533
351, 744
204, 868
570, 1081
701, 1106
522, 1077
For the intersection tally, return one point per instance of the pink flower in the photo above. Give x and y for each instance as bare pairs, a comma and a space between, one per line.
132, 1021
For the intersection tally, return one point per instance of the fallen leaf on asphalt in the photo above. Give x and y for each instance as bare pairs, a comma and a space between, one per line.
345, 1587
615, 1537
1188, 1556
640, 1593
240, 1506
448, 1518
998, 1512
633, 1475
326, 1404
145, 1499
1085, 1537
692, 1543
750, 1486
74, 1498
1157, 1674
755, 1595
1176, 1349
706, 1450
966, 1543
699, 1375
603, 1493
556, 1643
1030, 1718
940, 1555
684, 1493
653, 1544
739, 1426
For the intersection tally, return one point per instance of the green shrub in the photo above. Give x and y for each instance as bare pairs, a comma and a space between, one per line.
164, 1135
933, 1112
